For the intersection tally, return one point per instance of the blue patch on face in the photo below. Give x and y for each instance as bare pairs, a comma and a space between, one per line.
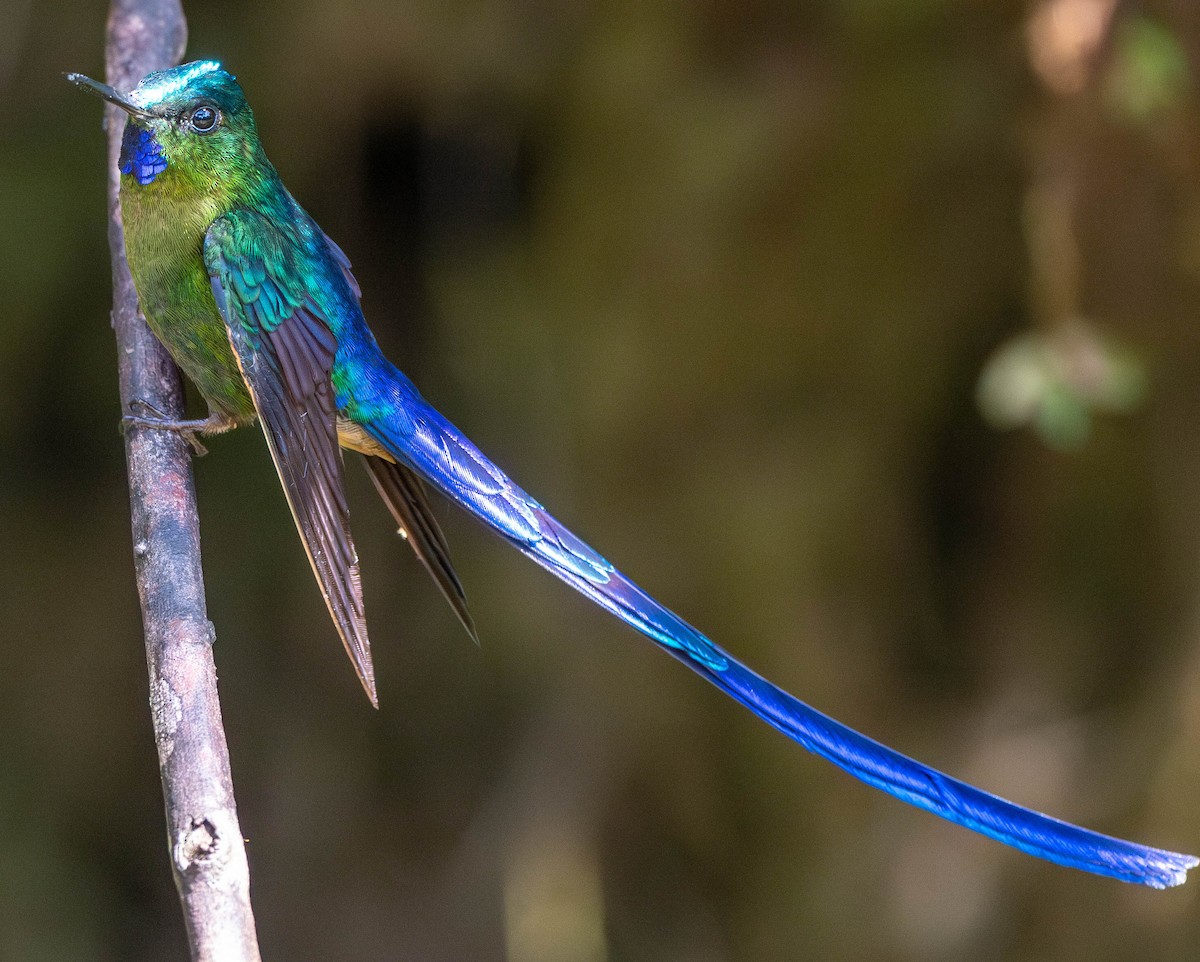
141, 155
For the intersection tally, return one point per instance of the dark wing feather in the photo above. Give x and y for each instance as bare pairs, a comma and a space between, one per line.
404, 494
285, 350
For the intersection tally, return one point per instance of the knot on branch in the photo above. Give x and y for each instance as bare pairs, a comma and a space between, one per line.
197, 845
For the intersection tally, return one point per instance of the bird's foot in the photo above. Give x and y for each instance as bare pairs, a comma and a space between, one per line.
190, 430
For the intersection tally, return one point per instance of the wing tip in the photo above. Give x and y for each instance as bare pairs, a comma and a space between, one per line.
403, 494
367, 678
463, 613
358, 647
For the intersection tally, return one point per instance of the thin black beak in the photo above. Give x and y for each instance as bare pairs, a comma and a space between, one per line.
108, 93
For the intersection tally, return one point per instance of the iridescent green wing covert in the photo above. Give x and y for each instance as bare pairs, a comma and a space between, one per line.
285, 349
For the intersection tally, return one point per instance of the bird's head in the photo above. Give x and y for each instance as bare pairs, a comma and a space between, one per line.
192, 119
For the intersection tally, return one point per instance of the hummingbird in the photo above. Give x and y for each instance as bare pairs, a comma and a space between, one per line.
260, 309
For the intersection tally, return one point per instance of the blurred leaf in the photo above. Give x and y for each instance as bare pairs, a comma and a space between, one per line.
1054, 382
1148, 76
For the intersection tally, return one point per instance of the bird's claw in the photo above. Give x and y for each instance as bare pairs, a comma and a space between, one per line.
190, 431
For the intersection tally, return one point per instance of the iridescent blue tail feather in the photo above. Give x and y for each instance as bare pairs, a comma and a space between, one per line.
948, 797
427, 442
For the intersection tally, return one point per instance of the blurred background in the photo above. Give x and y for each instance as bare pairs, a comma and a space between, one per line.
864, 334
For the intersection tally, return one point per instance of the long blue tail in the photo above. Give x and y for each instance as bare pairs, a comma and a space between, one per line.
419, 436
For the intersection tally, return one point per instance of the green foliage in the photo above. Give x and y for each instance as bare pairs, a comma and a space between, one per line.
1055, 383
1148, 77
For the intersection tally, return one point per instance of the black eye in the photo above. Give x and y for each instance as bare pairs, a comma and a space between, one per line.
204, 119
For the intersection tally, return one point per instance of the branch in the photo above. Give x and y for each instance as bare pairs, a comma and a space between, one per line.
207, 853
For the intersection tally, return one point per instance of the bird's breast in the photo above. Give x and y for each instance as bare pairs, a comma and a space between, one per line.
164, 238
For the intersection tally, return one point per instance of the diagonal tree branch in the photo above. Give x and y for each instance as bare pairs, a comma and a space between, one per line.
207, 853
